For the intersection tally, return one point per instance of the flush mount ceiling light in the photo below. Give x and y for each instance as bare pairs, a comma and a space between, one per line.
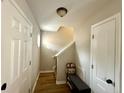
61, 11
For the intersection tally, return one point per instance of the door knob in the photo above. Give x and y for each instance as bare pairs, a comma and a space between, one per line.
3, 87
109, 81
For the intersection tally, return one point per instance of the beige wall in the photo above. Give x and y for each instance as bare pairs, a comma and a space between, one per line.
64, 57
35, 50
53, 42
82, 35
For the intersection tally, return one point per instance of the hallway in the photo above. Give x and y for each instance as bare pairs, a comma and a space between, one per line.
40, 37
46, 84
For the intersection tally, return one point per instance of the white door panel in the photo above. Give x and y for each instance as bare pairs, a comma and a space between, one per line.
104, 57
15, 59
16, 50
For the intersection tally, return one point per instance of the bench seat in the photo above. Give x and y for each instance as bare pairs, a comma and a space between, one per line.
77, 85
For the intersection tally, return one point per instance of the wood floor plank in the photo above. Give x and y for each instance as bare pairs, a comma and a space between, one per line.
46, 84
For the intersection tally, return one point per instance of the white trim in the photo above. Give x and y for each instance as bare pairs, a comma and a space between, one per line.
91, 61
60, 82
71, 43
118, 54
35, 83
118, 61
47, 71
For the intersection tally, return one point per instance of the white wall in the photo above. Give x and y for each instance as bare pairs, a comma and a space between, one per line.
35, 50
82, 35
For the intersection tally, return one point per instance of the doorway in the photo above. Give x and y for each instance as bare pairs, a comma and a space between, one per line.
106, 56
16, 49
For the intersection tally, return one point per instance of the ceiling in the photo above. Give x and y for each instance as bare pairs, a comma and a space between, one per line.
78, 10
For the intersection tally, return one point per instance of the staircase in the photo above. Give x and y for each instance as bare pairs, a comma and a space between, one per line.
63, 57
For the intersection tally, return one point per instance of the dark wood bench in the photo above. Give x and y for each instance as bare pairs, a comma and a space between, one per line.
77, 85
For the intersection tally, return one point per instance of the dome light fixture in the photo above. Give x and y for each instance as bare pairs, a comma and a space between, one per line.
61, 11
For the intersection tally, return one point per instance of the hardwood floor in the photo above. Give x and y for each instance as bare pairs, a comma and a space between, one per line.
46, 84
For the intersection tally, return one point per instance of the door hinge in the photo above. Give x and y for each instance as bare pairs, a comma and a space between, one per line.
93, 36
29, 90
92, 66
29, 62
30, 34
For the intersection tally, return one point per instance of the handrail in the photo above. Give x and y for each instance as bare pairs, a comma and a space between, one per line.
61, 51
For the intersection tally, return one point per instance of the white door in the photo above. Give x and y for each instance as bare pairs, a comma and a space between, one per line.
103, 56
16, 49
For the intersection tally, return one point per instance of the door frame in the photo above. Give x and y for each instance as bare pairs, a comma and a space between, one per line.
118, 53
14, 3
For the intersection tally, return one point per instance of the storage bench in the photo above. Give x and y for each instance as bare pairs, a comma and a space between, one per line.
77, 85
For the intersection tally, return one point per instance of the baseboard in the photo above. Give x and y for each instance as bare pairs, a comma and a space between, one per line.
60, 82
35, 82
47, 71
